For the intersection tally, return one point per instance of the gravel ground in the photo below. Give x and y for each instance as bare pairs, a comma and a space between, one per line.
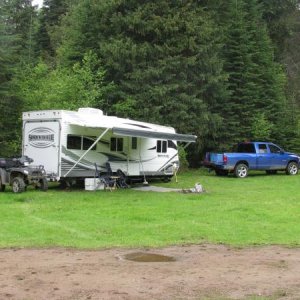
179, 272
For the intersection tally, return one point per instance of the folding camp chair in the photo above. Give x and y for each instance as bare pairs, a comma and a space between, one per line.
105, 179
108, 169
121, 181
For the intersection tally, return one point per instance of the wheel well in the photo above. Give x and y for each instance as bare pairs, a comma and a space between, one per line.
16, 174
242, 162
291, 161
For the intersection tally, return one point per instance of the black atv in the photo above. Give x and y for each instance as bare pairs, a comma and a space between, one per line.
18, 173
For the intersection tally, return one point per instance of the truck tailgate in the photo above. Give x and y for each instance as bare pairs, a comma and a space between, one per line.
215, 158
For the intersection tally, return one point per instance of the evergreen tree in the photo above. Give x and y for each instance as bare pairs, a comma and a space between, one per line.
163, 57
47, 35
277, 14
13, 41
256, 82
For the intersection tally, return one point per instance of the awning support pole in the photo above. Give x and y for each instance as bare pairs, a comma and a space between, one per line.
145, 181
171, 158
88, 150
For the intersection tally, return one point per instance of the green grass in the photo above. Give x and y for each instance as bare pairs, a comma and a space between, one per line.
256, 210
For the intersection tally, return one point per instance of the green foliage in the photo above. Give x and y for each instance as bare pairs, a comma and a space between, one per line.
63, 88
49, 20
15, 47
127, 107
277, 14
255, 83
208, 68
261, 128
163, 57
182, 158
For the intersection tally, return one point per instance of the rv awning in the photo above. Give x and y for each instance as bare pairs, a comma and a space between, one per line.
154, 134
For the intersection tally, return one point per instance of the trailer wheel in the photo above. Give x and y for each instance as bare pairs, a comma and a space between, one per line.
241, 170
292, 168
18, 185
2, 186
43, 184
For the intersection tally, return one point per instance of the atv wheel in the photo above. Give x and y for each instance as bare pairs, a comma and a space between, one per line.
18, 185
43, 184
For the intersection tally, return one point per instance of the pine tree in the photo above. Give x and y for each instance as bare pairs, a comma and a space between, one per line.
12, 40
277, 14
49, 20
163, 57
16, 49
255, 82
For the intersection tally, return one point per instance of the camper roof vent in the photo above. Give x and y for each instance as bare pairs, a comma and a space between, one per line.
91, 111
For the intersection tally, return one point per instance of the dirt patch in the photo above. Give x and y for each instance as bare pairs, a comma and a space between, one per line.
196, 272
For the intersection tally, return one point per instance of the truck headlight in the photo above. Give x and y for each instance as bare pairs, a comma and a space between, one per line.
26, 172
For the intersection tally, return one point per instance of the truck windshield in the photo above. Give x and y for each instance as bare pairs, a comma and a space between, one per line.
246, 148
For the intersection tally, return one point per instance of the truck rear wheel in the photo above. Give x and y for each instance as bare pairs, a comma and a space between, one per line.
18, 185
292, 168
241, 170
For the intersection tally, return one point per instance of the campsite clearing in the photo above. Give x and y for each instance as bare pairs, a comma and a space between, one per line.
260, 210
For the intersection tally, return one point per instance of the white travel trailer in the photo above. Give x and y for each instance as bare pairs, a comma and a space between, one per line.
69, 144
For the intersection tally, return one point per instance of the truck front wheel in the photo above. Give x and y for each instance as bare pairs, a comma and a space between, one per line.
18, 185
292, 168
241, 170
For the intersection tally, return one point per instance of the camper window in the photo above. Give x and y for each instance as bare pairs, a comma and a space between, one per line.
161, 146
116, 144
87, 142
134, 143
75, 142
171, 144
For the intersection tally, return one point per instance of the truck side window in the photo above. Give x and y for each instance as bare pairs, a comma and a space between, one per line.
161, 146
274, 149
262, 148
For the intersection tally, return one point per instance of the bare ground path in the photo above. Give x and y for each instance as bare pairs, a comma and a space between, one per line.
198, 272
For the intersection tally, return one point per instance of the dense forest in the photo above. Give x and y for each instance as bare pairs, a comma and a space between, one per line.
225, 71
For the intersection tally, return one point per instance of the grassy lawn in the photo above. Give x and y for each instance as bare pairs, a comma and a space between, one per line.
260, 209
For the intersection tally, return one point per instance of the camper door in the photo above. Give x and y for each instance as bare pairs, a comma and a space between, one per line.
41, 143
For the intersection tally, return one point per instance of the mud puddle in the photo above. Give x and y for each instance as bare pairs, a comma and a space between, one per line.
148, 257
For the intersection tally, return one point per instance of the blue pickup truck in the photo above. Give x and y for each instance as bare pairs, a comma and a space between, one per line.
253, 156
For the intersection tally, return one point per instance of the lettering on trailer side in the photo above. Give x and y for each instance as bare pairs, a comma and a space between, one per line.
41, 137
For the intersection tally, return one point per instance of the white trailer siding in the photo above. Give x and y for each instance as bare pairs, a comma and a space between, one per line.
41, 141
69, 144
